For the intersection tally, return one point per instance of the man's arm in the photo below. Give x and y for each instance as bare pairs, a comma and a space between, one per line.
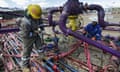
86, 29
26, 28
41, 22
98, 32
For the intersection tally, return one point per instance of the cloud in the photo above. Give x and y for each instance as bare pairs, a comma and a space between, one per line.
43, 4
25, 3
20, 2
61, 3
3, 3
50, 3
105, 3
116, 4
39, 0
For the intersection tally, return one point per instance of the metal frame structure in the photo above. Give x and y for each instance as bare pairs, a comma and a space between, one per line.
71, 7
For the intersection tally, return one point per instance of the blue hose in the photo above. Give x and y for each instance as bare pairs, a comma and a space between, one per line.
48, 68
48, 62
68, 66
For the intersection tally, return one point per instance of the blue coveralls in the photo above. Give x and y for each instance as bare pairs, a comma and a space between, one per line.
93, 31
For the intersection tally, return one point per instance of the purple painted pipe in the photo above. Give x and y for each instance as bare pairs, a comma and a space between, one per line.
113, 24
50, 15
6, 30
9, 30
62, 22
112, 29
101, 15
72, 7
50, 18
10, 13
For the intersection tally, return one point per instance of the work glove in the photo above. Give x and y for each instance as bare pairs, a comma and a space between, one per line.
38, 31
93, 38
35, 32
30, 34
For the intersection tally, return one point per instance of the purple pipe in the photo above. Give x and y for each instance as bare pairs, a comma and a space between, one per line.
50, 18
62, 23
6, 30
9, 30
50, 15
72, 7
101, 13
11, 13
113, 24
112, 29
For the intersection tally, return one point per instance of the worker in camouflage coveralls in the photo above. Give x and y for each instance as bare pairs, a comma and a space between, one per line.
29, 32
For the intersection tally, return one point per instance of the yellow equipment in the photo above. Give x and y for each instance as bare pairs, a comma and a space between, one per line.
72, 23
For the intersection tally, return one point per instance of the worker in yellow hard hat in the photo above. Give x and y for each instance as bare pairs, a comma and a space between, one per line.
30, 33
35, 11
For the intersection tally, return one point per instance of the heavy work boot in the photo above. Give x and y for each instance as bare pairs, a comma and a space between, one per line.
25, 65
26, 69
2, 69
1, 64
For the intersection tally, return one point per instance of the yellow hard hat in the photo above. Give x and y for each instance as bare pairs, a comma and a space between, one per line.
34, 10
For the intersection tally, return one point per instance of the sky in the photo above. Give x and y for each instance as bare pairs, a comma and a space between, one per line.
51, 3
